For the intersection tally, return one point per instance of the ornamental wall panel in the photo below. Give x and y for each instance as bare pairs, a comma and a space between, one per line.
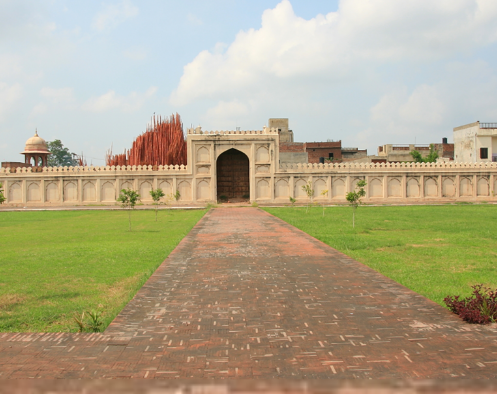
89, 192
483, 189
203, 190
448, 187
262, 155
185, 190
145, 189
299, 188
413, 189
431, 188
203, 155
281, 189
263, 190
34, 194
394, 188
166, 187
70, 191
15, 192
52, 192
108, 192
466, 187
338, 188
319, 188
375, 188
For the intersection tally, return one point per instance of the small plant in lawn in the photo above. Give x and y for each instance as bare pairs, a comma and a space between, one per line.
128, 199
89, 321
2, 197
307, 188
324, 193
354, 198
292, 201
480, 308
156, 196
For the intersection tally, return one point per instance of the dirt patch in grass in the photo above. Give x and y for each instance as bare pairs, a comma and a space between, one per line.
10, 301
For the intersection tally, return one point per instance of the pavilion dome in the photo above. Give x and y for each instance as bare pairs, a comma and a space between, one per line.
36, 144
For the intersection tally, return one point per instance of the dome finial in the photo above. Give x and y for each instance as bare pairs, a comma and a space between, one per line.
36, 132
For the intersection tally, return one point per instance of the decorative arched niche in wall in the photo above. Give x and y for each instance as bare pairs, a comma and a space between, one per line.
483, 189
375, 188
185, 190
338, 188
281, 189
89, 192
431, 187
34, 192
203, 190
262, 155
298, 190
448, 187
108, 192
263, 190
412, 188
52, 192
465, 187
15, 192
394, 188
319, 188
70, 191
145, 189
167, 188
203, 155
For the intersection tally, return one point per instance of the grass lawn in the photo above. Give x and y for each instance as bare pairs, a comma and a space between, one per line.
433, 250
56, 263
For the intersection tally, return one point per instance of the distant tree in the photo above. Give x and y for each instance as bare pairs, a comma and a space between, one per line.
128, 199
2, 197
60, 156
431, 158
156, 196
354, 198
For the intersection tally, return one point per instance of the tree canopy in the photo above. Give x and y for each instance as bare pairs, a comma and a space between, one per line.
60, 156
431, 158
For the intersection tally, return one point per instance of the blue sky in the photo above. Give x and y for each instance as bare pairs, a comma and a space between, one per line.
368, 72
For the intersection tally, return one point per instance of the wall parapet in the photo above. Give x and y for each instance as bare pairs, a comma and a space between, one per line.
94, 169
266, 131
387, 166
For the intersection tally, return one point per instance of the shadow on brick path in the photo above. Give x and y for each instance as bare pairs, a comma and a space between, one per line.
246, 295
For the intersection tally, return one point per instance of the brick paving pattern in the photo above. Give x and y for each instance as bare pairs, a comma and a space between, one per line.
246, 295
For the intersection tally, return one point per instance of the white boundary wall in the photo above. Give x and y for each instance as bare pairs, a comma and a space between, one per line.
269, 182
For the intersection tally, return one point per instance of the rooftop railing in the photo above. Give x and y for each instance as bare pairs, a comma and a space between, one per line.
488, 125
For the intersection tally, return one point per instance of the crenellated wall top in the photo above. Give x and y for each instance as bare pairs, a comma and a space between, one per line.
388, 166
95, 169
265, 130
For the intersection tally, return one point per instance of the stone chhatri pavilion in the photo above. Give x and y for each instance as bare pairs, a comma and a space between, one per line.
248, 165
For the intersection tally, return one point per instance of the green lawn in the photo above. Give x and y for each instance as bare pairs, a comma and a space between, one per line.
53, 264
433, 250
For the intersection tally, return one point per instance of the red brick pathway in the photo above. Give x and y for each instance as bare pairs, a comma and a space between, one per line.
246, 295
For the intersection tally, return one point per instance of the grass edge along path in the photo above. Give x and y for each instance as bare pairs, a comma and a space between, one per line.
55, 264
435, 251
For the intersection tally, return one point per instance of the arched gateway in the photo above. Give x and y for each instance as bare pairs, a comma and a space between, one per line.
233, 175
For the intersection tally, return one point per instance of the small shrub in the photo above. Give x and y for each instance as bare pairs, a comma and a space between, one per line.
89, 321
479, 308
255, 204
292, 201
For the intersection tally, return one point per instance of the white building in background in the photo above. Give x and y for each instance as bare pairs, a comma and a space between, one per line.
475, 142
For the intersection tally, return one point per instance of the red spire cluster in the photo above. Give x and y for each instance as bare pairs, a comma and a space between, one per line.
163, 143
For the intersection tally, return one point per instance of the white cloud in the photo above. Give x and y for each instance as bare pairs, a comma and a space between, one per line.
9, 95
113, 15
112, 101
194, 20
340, 45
